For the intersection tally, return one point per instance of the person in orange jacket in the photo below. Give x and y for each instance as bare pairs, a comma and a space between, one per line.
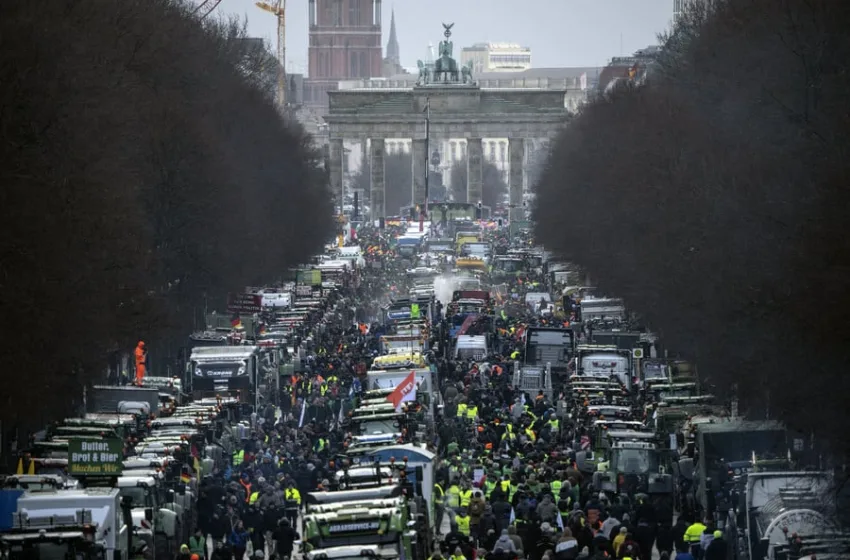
141, 356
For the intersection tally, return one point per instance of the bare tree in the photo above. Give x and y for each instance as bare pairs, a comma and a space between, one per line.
143, 165
711, 198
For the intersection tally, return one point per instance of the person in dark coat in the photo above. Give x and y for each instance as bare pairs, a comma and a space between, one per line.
718, 549
285, 537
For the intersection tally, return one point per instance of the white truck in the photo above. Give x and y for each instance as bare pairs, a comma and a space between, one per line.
86, 523
154, 526
603, 309
605, 362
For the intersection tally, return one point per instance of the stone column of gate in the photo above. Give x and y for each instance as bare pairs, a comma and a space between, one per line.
474, 170
335, 155
418, 163
516, 158
378, 170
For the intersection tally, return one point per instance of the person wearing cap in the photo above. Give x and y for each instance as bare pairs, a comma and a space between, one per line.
717, 549
184, 553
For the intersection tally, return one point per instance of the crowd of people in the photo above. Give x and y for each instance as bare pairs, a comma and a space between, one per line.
507, 482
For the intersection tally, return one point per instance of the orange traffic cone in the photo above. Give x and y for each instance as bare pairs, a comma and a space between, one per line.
20, 469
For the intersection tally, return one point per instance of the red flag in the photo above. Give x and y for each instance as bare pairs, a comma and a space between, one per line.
402, 390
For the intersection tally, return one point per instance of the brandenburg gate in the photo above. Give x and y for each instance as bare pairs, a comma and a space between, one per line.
448, 103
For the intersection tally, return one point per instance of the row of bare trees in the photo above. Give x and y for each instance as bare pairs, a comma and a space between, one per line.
714, 198
144, 168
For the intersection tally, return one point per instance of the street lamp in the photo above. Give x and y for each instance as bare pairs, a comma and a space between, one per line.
427, 150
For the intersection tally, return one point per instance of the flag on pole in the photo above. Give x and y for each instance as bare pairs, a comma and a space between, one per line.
513, 516
303, 411
236, 321
404, 391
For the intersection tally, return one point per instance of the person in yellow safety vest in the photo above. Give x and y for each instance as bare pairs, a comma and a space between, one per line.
291, 502
462, 522
555, 487
515, 355
453, 496
461, 410
554, 425
505, 485
692, 536
531, 435
238, 457
458, 555
254, 497
472, 412
321, 444
465, 497
323, 388
438, 496
489, 486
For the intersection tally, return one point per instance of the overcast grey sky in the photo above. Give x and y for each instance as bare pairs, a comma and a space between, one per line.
567, 33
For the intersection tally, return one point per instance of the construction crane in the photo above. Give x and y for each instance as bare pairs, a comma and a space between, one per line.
206, 7
279, 10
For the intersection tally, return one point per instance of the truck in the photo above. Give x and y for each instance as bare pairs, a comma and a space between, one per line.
225, 371
776, 508
369, 516
398, 515
121, 399
602, 310
635, 465
719, 443
605, 362
87, 523
552, 346
154, 526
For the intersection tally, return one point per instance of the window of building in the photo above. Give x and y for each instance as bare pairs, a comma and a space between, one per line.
353, 12
353, 65
337, 13
365, 71
453, 155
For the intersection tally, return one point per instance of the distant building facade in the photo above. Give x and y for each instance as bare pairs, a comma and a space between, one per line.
344, 44
679, 6
496, 57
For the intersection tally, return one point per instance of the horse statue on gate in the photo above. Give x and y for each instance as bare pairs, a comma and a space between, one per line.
424, 73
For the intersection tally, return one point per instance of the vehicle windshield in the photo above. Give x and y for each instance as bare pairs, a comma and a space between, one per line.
140, 496
635, 461
509, 266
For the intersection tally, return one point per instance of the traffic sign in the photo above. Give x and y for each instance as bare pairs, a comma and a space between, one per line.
637, 353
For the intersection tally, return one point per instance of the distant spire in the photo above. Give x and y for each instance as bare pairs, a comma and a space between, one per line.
392, 45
